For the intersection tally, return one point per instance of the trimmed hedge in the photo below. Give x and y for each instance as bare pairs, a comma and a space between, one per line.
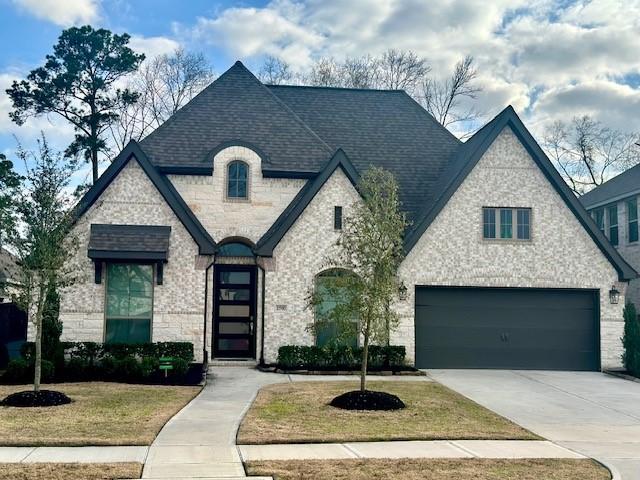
631, 340
92, 351
89, 361
297, 357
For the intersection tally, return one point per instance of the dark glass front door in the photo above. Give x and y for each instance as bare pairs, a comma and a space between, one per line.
234, 311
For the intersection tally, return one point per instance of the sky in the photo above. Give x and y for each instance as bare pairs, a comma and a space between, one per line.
548, 59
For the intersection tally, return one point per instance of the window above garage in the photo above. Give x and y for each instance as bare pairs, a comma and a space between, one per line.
505, 223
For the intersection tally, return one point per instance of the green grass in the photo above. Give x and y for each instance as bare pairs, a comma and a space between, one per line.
300, 412
100, 414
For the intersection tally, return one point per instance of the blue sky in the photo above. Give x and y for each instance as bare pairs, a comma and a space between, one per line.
549, 59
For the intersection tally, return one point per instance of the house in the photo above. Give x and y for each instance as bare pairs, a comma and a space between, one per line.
214, 228
614, 208
13, 321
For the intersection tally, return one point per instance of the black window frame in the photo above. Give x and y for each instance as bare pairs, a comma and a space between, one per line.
632, 223
612, 224
237, 180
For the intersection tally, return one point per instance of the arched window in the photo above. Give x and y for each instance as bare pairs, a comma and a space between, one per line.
234, 249
237, 180
332, 290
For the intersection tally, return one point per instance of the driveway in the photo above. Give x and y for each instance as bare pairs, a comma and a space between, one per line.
592, 413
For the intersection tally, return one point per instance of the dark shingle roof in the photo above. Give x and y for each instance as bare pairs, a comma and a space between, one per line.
140, 242
620, 186
234, 108
384, 128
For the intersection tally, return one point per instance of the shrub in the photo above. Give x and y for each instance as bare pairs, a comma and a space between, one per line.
127, 369
180, 367
292, 357
17, 371
148, 366
77, 369
631, 340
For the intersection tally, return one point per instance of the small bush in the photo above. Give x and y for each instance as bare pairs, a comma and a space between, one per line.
148, 366
127, 369
180, 367
291, 357
631, 340
17, 371
76, 369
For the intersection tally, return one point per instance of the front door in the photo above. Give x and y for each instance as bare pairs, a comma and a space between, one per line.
234, 311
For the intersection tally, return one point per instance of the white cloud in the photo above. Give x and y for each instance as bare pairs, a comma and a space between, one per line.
153, 46
546, 59
62, 12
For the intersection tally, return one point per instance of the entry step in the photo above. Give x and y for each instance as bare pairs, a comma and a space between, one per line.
233, 362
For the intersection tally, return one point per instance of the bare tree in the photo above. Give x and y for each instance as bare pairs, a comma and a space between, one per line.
586, 152
325, 72
275, 71
401, 70
442, 99
360, 72
163, 84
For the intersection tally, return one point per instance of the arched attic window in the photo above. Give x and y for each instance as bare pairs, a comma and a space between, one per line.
332, 291
238, 180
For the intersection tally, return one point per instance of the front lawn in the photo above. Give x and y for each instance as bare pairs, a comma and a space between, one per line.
299, 413
64, 471
431, 469
100, 414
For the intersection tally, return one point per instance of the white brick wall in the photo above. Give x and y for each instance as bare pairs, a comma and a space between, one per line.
178, 307
298, 258
560, 255
223, 218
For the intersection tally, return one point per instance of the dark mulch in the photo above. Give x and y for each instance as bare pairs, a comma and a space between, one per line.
42, 398
367, 400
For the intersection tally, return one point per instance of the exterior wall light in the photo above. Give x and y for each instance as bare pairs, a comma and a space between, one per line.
614, 295
402, 291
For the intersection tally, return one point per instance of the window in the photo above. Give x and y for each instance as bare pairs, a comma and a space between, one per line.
598, 217
489, 222
523, 219
234, 249
506, 223
331, 292
129, 303
612, 214
632, 218
237, 173
337, 218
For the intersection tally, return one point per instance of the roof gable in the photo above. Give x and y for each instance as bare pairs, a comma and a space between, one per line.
468, 156
206, 245
288, 217
235, 106
621, 186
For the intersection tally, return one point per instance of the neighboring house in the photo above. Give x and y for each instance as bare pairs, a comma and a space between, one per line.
614, 208
215, 228
13, 321
9, 275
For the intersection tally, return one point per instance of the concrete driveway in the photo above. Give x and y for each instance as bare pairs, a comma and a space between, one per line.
592, 413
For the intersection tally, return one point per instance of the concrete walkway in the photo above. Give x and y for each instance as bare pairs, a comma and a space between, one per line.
591, 413
199, 442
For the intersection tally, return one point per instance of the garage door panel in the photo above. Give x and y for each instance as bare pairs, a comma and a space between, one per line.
506, 328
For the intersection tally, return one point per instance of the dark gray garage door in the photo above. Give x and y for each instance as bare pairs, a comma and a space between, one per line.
507, 328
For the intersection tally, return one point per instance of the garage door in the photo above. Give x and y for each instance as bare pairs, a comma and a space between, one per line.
507, 328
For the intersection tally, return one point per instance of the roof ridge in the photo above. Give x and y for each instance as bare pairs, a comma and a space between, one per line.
325, 87
285, 106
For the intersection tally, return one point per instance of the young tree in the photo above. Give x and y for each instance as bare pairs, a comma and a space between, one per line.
44, 244
370, 248
9, 187
586, 152
442, 98
163, 85
79, 83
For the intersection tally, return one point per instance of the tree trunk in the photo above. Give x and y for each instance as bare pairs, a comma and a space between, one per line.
94, 162
38, 360
365, 360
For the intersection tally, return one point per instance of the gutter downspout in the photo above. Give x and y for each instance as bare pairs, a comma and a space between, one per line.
262, 315
205, 353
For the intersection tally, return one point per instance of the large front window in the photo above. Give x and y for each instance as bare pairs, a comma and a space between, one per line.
506, 223
129, 303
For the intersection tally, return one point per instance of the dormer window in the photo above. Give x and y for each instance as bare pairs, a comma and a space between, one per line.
237, 180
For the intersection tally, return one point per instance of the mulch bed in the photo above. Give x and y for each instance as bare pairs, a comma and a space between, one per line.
42, 398
367, 400
405, 371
